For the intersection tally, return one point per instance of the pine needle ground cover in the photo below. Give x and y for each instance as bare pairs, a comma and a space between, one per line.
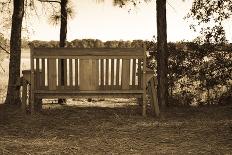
115, 127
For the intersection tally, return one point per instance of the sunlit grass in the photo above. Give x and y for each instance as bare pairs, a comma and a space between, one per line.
75, 129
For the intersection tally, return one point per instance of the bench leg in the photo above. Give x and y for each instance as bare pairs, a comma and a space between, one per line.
32, 102
140, 101
154, 100
38, 105
151, 97
24, 97
35, 104
144, 105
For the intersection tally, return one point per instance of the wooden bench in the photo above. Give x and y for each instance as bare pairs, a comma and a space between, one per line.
101, 72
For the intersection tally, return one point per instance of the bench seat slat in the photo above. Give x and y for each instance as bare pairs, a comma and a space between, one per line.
85, 91
87, 95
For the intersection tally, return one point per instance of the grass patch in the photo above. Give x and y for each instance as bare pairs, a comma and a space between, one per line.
116, 130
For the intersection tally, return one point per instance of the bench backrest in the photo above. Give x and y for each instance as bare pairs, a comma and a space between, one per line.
87, 69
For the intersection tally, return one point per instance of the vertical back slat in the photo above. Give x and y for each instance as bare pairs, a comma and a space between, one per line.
139, 73
125, 73
88, 74
70, 73
59, 72
112, 72
133, 72
107, 72
47, 78
76, 72
117, 72
52, 74
37, 73
43, 72
102, 73
95, 73
65, 72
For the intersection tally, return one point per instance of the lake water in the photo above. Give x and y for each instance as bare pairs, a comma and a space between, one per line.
4, 70
25, 61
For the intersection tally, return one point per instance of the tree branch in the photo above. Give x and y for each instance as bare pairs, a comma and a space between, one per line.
2, 68
50, 1
171, 6
4, 49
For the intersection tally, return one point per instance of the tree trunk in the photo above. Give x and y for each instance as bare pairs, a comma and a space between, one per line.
63, 23
162, 53
13, 92
63, 37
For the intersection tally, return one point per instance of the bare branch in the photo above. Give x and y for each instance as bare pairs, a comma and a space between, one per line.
50, 1
2, 68
4, 49
171, 6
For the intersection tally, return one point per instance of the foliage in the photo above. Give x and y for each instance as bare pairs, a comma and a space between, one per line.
5, 15
122, 3
208, 13
55, 16
196, 73
112, 44
206, 10
6, 11
48, 44
200, 69
124, 44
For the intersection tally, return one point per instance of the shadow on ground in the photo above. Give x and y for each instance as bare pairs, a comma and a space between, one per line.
62, 129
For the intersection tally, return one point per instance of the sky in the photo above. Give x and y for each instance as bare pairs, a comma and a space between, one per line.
106, 22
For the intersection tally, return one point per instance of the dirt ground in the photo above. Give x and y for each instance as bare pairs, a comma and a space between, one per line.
84, 127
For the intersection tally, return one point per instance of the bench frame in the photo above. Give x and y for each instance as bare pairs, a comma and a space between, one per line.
80, 65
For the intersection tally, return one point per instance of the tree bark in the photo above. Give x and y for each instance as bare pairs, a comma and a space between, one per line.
13, 92
162, 53
63, 23
63, 37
